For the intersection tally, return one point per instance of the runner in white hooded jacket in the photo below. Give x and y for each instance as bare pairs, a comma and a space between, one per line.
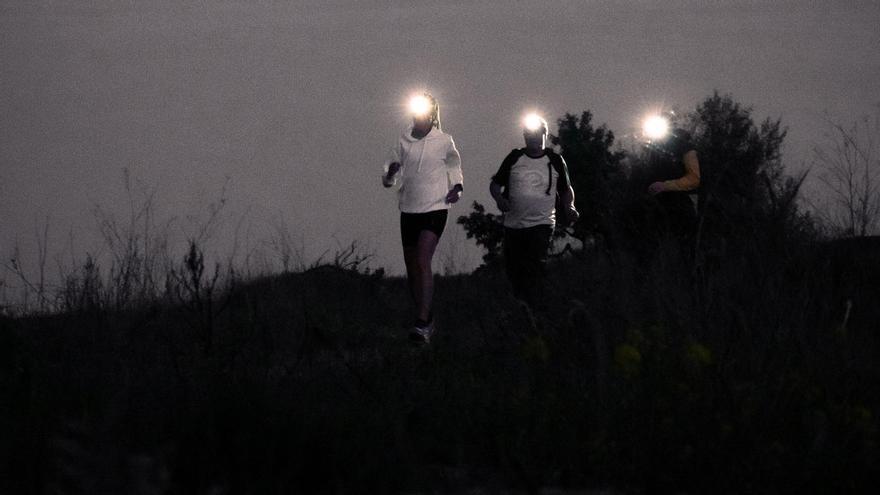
428, 167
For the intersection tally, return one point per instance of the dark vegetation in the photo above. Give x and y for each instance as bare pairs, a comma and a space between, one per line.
740, 359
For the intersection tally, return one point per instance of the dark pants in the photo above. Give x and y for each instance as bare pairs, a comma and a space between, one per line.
676, 215
666, 219
525, 257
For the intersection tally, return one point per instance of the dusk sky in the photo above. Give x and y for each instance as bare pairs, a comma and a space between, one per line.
294, 104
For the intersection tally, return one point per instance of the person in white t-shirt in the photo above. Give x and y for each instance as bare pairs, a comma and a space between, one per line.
427, 166
525, 189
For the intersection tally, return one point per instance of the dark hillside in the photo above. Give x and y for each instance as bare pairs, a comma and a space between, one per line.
641, 376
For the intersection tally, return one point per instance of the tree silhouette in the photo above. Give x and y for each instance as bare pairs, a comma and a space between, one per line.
594, 169
486, 229
745, 193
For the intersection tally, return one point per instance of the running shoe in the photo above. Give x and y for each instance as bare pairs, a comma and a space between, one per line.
422, 331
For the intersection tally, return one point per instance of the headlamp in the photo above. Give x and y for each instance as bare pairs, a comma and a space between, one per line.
419, 106
655, 127
533, 122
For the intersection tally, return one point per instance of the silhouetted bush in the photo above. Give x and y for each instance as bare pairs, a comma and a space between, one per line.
742, 379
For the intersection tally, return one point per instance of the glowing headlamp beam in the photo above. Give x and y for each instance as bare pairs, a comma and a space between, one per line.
533, 122
419, 106
655, 127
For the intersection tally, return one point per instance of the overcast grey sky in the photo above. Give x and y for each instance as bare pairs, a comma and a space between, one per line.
296, 102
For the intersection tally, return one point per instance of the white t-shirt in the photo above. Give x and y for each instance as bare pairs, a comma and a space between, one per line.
430, 167
527, 190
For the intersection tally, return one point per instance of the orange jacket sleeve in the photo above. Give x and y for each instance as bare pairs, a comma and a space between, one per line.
691, 178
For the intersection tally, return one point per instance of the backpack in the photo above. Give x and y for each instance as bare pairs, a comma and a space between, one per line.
554, 160
502, 177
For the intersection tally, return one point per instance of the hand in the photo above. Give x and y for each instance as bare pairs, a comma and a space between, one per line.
656, 188
503, 204
571, 216
567, 217
453, 195
388, 178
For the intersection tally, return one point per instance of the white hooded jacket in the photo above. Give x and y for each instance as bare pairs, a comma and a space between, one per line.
429, 168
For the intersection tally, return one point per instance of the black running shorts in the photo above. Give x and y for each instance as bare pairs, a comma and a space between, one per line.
412, 224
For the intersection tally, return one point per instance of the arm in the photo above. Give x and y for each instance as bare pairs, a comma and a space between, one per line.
498, 194
389, 178
688, 182
392, 167
453, 166
570, 215
500, 181
691, 178
453, 173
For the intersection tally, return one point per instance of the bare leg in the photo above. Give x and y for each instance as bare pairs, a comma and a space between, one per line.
410, 259
423, 282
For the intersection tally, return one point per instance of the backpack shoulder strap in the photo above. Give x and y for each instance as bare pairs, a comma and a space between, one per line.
558, 164
502, 177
